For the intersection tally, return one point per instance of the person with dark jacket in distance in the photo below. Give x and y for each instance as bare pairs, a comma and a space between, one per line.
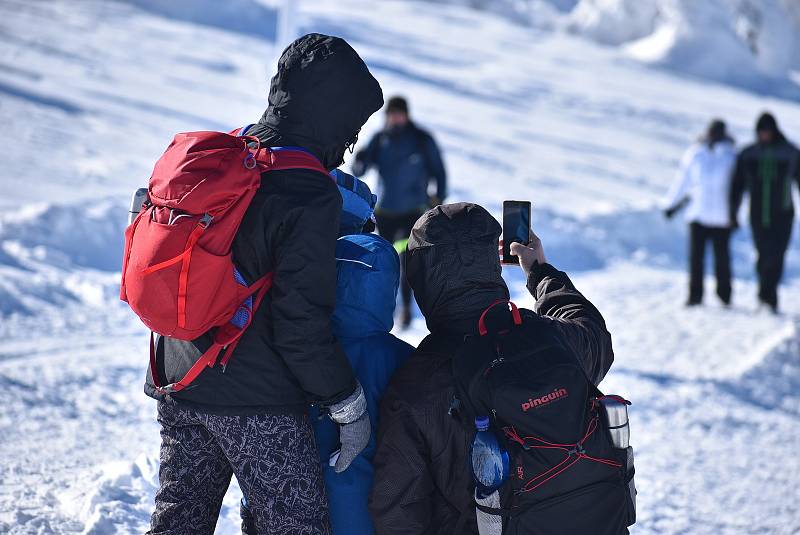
766, 170
422, 483
408, 160
703, 185
251, 419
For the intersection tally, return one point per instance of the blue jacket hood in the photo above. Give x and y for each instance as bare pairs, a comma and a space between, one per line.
368, 274
358, 202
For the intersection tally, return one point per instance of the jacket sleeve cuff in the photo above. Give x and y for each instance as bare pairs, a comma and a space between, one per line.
538, 273
351, 408
326, 404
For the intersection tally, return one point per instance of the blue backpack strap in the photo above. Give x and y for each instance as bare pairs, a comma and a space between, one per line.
244, 129
240, 318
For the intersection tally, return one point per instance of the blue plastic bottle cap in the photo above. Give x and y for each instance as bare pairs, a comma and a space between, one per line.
482, 423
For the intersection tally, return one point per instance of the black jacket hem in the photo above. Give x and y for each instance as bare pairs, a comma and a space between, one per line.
228, 410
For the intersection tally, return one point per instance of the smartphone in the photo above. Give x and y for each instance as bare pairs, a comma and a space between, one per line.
516, 227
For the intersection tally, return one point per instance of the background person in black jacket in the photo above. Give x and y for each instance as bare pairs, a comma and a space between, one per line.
251, 419
766, 169
422, 484
407, 160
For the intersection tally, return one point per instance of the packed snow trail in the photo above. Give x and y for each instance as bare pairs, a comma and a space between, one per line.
591, 137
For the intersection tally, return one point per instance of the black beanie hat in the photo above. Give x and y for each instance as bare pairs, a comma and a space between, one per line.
767, 123
397, 104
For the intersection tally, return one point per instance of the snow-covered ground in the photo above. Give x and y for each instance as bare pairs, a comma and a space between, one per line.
90, 94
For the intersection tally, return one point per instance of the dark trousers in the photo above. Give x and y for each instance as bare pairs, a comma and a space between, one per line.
275, 461
699, 236
395, 228
771, 243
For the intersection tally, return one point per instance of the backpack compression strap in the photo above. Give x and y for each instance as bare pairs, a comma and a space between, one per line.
227, 337
573, 454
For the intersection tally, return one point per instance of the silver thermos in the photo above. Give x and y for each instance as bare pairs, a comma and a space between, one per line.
137, 201
616, 412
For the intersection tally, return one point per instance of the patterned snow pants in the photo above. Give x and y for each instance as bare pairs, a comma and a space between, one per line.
274, 458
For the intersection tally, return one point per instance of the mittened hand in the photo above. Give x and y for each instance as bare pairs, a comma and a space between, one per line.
354, 427
353, 437
529, 254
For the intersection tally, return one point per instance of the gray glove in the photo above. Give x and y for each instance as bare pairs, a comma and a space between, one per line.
354, 428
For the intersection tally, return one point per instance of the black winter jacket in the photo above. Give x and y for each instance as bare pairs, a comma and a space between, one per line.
288, 356
422, 484
767, 171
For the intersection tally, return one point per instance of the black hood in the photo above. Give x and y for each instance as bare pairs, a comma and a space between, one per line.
453, 266
767, 122
321, 96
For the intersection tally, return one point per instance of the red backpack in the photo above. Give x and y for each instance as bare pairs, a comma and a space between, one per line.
177, 274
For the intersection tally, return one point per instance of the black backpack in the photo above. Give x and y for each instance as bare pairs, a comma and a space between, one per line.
565, 476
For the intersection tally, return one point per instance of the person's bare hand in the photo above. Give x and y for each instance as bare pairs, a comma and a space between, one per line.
528, 254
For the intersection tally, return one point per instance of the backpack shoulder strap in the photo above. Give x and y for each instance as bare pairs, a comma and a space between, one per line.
240, 132
282, 158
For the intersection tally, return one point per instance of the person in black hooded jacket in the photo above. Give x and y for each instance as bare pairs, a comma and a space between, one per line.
422, 484
767, 169
251, 419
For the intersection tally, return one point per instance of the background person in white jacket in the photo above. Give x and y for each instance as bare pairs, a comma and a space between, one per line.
702, 185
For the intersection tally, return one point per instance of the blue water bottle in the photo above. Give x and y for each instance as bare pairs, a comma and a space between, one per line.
488, 458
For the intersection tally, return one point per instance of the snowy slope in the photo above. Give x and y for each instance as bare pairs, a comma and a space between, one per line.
91, 93
748, 43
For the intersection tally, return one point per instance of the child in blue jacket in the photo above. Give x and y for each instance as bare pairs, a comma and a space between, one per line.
368, 276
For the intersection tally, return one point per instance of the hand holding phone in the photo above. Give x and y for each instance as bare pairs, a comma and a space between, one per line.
529, 254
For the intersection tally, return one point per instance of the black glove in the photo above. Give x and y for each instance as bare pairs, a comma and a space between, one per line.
354, 428
670, 212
